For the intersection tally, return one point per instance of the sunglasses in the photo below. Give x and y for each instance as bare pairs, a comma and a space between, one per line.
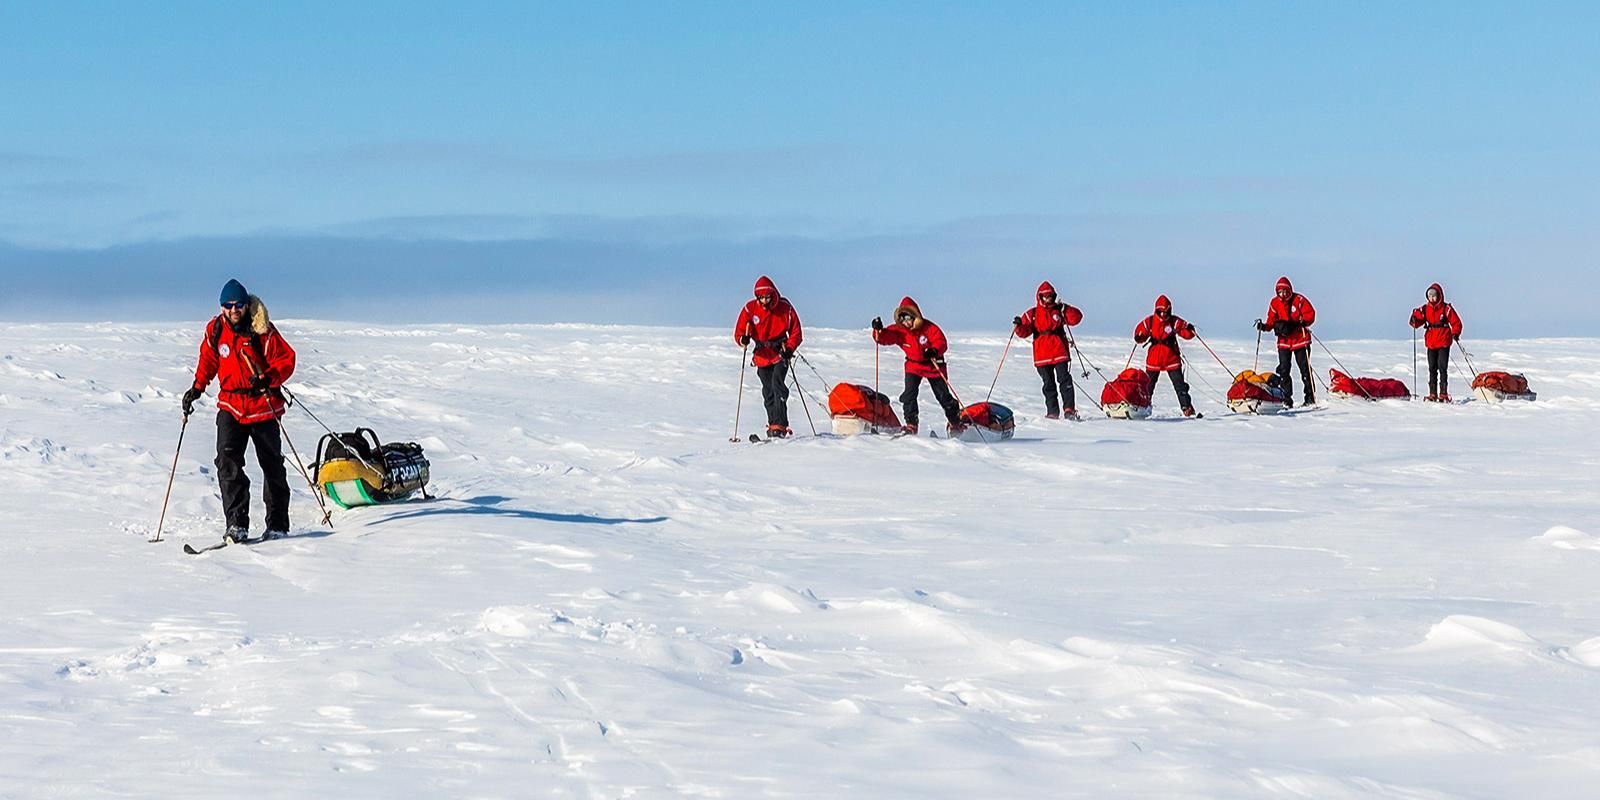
230, 306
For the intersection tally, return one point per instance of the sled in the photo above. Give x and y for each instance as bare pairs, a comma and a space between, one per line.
1127, 396
354, 469
1498, 387
1126, 411
1342, 385
987, 422
858, 409
1256, 393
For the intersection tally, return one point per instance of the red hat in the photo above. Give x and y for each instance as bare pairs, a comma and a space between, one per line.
1163, 302
1283, 283
765, 286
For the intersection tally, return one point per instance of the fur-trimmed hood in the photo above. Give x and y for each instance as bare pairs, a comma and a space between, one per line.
909, 305
260, 321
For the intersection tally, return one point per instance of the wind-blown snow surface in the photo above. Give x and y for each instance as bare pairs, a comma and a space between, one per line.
611, 600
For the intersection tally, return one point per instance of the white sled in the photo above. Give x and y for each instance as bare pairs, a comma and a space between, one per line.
851, 425
1127, 411
978, 433
1491, 395
1254, 406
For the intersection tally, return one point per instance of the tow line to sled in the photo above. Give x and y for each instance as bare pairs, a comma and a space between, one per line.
356, 469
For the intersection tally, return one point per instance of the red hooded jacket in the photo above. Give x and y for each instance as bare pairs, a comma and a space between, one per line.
1441, 320
1047, 324
1163, 335
920, 337
1296, 310
234, 358
771, 327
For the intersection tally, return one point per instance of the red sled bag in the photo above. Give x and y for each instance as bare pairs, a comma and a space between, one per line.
859, 409
1127, 396
988, 422
1367, 388
1498, 387
1256, 393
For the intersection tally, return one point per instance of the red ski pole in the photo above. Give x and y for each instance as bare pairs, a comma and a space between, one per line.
998, 368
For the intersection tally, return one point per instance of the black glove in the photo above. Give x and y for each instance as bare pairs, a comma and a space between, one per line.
744, 341
1141, 338
1016, 322
877, 323
189, 397
260, 383
785, 352
930, 354
1261, 326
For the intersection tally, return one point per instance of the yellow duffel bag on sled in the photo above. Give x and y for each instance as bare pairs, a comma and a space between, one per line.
354, 469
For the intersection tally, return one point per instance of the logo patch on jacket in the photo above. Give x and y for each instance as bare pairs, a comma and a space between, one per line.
223, 350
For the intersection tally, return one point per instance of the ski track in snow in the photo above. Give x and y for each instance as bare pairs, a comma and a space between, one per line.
608, 599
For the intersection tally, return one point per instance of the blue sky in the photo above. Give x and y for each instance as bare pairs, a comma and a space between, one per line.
1128, 149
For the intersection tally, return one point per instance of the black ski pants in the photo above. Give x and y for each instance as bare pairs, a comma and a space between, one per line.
1302, 355
1060, 375
941, 391
1438, 370
232, 436
1179, 385
774, 392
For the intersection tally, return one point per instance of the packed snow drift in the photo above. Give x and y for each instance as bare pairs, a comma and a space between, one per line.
609, 599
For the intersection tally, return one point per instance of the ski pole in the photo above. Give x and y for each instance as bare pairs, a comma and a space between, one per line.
1075, 346
1130, 356
875, 355
1414, 362
1256, 365
1342, 368
1001, 365
937, 367
163, 520
1466, 356
1212, 352
744, 358
803, 404
327, 516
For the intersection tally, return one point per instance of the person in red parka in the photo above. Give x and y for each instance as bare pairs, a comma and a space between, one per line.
1163, 330
772, 324
1290, 317
243, 350
1444, 328
924, 345
1047, 323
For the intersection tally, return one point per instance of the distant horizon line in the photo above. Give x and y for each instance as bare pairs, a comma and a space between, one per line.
719, 331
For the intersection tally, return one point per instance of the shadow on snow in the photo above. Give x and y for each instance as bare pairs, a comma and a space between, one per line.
488, 505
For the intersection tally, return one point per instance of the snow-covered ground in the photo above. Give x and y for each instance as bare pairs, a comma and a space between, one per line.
611, 600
